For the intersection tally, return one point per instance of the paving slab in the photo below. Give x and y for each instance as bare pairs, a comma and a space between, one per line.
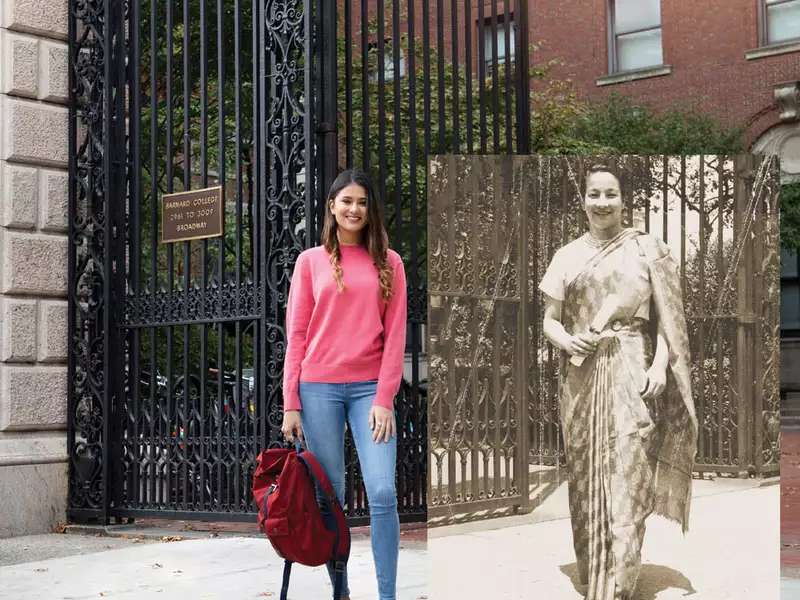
202, 569
730, 553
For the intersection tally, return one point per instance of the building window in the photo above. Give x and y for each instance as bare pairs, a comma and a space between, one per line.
635, 34
790, 292
388, 62
504, 22
780, 21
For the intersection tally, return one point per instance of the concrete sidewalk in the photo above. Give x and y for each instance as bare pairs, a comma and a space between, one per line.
226, 567
730, 553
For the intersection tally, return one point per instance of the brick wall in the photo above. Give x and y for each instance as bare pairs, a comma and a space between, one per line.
33, 264
705, 44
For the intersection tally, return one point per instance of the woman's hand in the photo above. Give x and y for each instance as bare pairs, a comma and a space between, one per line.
657, 373
656, 381
582, 344
382, 423
292, 425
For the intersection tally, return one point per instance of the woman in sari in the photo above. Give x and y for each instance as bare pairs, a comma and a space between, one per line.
613, 307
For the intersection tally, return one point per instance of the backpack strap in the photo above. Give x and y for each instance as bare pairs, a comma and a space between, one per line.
338, 580
342, 551
287, 571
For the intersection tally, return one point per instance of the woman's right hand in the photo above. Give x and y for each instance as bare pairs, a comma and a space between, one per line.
292, 425
582, 344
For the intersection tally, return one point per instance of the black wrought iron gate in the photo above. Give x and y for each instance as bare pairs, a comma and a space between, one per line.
175, 350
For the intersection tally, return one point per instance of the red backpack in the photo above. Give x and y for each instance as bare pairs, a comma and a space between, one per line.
289, 513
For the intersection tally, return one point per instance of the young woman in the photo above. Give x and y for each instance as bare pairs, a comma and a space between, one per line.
627, 414
346, 327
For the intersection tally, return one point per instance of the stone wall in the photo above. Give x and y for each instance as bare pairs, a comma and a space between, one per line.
33, 264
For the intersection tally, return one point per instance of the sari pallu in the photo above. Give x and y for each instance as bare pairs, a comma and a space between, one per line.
625, 459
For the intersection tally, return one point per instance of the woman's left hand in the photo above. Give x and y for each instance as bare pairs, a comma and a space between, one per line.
382, 423
656, 382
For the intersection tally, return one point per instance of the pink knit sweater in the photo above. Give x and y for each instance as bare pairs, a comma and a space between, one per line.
348, 336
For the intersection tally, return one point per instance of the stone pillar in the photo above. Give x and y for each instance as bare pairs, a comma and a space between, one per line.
33, 265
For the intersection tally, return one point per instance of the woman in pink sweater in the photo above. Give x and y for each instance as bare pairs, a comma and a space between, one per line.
346, 327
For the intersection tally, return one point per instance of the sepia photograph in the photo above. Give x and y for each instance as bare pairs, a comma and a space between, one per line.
604, 360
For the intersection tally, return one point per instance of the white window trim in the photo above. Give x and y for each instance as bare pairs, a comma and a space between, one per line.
612, 42
633, 75
763, 33
502, 20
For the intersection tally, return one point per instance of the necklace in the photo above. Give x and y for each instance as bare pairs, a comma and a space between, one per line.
593, 241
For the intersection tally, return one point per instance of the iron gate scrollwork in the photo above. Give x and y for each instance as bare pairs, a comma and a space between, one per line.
176, 350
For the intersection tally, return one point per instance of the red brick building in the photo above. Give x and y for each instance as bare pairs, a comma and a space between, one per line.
728, 58
738, 60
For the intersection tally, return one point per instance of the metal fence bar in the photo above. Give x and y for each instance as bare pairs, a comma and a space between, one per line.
185, 413
365, 137
720, 261
495, 83
134, 250
203, 445
426, 75
703, 442
454, 127
470, 148
522, 81
398, 155
381, 71
482, 75
522, 456
440, 76
418, 405
155, 284
507, 87
348, 81
740, 203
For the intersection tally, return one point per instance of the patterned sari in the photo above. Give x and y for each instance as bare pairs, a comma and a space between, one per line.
625, 458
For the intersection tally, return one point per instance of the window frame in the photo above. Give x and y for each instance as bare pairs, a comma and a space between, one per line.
388, 62
793, 328
613, 53
763, 25
502, 19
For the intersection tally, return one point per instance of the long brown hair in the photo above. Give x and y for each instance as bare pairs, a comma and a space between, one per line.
373, 236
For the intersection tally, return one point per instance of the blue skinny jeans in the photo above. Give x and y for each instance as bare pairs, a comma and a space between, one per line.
326, 409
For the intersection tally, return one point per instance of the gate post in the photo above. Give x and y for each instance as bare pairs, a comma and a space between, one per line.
96, 233
743, 165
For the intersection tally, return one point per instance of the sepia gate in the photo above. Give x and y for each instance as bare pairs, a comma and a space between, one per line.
176, 349
495, 223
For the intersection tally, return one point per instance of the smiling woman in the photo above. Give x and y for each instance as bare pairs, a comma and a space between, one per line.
346, 325
627, 412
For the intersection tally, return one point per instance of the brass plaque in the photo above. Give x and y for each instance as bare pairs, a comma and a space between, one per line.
192, 215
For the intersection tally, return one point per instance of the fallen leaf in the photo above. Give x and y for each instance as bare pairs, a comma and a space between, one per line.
157, 565
171, 538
